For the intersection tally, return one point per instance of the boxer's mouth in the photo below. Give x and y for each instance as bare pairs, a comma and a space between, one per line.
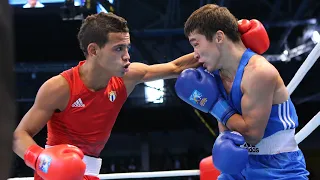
126, 67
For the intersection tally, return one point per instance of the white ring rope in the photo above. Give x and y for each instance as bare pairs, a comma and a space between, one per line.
155, 174
308, 128
176, 173
304, 68
295, 81
300, 136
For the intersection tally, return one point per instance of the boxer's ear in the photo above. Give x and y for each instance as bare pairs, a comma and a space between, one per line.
92, 49
219, 36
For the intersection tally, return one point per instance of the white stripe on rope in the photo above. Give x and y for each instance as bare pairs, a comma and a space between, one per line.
304, 68
176, 173
150, 174
308, 128
295, 81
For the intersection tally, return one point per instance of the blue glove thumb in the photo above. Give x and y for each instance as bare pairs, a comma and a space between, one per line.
228, 156
236, 137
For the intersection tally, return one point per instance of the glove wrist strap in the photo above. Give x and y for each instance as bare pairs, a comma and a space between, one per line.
31, 155
222, 111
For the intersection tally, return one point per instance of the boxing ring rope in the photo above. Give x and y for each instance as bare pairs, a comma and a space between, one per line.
297, 78
304, 68
308, 128
132, 175
300, 136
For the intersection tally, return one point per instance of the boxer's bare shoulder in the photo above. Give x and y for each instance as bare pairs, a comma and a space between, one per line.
57, 91
53, 95
261, 72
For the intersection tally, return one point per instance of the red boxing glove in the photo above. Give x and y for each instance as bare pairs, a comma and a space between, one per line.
63, 162
254, 35
207, 169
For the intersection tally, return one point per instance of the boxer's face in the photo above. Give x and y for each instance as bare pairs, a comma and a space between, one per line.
114, 56
205, 50
32, 3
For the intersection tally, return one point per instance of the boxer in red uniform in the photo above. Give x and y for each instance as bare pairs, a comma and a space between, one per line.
80, 105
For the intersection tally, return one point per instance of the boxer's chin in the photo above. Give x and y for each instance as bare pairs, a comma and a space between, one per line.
209, 68
206, 66
121, 73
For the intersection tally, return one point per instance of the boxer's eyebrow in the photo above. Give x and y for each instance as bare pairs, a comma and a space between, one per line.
192, 40
122, 46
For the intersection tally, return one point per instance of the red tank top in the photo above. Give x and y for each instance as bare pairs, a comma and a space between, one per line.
89, 116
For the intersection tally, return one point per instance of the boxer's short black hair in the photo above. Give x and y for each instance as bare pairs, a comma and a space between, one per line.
210, 18
96, 28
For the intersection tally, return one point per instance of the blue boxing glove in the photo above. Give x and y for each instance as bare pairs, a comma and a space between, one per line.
198, 88
228, 156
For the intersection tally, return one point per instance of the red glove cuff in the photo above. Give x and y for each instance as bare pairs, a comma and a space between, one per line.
31, 155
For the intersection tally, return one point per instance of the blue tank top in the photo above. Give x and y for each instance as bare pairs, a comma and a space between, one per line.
282, 117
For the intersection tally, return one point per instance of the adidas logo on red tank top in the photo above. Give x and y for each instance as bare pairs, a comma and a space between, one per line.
78, 103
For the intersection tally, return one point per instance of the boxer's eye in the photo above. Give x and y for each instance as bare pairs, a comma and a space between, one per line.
122, 47
119, 48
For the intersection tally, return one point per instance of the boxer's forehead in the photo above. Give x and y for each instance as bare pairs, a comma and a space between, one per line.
119, 38
195, 37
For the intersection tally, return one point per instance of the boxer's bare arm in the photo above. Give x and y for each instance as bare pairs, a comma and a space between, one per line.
53, 95
258, 92
139, 72
222, 127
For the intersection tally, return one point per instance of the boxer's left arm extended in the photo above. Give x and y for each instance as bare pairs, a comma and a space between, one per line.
256, 103
140, 72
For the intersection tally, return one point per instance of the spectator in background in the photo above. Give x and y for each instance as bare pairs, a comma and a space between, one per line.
33, 4
112, 167
132, 166
177, 164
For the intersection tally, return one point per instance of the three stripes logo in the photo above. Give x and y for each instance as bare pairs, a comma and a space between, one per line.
284, 115
78, 103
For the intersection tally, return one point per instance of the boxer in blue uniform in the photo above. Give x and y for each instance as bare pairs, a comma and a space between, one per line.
247, 96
